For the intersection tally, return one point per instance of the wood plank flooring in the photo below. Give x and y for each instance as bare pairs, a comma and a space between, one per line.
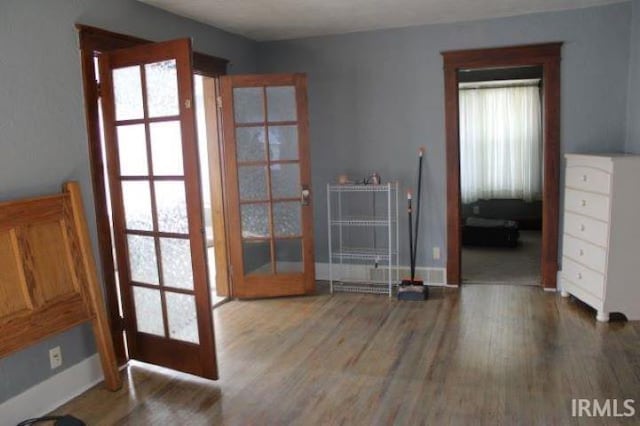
487, 354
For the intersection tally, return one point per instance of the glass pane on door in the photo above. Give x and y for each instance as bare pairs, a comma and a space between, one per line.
183, 322
127, 88
257, 257
269, 176
283, 142
143, 263
162, 88
289, 255
255, 220
176, 263
252, 183
251, 143
154, 200
166, 148
285, 180
287, 220
171, 205
281, 103
249, 104
132, 146
136, 197
148, 311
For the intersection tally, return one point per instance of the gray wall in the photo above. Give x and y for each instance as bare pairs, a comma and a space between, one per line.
375, 97
42, 133
633, 123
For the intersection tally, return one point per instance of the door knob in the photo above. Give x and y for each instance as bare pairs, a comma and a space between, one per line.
305, 195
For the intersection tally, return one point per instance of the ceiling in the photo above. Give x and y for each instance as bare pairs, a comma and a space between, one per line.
285, 19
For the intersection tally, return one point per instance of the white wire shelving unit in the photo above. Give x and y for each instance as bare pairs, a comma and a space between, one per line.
363, 238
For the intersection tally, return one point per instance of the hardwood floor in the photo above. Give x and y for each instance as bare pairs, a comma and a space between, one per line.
488, 354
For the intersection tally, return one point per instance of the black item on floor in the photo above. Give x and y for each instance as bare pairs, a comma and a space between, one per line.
59, 421
481, 232
413, 289
416, 291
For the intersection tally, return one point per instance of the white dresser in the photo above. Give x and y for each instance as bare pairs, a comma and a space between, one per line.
601, 241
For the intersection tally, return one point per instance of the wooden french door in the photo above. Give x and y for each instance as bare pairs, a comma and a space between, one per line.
152, 156
268, 185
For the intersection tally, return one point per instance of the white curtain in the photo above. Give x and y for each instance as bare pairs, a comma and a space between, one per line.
500, 143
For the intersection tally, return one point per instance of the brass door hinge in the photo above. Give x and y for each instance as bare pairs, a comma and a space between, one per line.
219, 101
99, 89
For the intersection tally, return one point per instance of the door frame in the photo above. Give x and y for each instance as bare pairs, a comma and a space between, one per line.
92, 42
546, 55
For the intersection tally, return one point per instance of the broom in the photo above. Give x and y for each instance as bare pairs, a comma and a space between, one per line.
412, 289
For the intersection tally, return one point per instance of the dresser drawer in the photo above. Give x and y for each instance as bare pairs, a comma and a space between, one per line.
588, 179
587, 229
583, 277
598, 162
585, 253
587, 203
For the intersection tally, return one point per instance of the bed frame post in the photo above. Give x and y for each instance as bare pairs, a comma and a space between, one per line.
95, 300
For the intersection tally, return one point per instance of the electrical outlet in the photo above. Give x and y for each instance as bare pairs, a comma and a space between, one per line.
436, 253
55, 357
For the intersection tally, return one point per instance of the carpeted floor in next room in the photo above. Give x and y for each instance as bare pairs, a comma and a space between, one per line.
513, 266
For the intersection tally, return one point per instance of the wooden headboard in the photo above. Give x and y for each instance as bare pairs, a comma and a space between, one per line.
48, 279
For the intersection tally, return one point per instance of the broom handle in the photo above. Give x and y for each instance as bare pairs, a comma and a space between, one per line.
409, 211
415, 239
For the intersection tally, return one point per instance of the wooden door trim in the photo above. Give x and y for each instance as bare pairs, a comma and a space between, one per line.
548, 56
94, 41
305, 165
215, 152
99, 40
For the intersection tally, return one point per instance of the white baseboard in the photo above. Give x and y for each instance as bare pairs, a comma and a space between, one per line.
52, 393
433, 276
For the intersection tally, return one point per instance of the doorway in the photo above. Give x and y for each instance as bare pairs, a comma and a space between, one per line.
95, 43
547, 57
208, 127
166, 231
501, 174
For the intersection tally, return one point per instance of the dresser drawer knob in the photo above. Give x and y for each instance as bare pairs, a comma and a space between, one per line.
581, 252
582, 227
579, 275
584, 178
583, 203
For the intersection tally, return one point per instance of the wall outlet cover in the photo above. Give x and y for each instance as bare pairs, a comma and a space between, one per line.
55, 357
436, 253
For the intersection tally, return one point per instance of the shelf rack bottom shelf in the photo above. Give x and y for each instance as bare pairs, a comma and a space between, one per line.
361, 287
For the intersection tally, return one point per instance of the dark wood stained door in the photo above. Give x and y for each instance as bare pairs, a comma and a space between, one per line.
150, 134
